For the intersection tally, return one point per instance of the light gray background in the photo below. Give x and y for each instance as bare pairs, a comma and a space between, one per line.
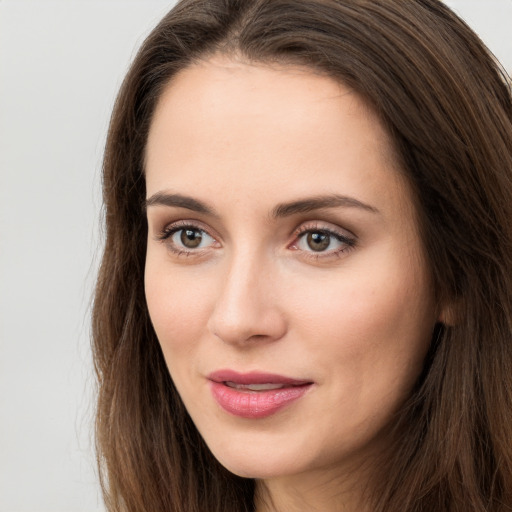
61, 63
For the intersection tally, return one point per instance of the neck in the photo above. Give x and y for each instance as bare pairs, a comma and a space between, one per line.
311, 493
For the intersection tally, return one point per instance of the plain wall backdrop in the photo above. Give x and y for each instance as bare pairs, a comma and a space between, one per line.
61, 63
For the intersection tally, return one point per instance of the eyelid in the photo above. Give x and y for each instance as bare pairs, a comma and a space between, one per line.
342, 235
172, 227
326, 226
165, 236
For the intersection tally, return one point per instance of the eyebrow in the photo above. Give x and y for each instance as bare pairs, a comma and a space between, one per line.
319, 202
179, 201
282, 210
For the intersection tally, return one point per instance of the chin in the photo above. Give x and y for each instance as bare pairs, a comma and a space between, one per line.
259, 461
259, 470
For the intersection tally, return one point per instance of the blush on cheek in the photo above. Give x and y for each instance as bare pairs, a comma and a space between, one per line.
178, 313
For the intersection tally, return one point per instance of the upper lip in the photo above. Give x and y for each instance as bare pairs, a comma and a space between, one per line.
254, 377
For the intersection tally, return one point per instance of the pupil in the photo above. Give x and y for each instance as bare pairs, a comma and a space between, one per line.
318, 241
191, 238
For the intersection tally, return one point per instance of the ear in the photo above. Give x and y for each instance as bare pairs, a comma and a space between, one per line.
448, 314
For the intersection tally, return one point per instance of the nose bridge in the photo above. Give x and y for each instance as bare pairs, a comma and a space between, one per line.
246, 307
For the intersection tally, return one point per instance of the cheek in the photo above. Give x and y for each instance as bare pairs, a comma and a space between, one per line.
178, 306
371, 340
374, 326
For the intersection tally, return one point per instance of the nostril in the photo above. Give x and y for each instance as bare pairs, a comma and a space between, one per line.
243, 311
267, 328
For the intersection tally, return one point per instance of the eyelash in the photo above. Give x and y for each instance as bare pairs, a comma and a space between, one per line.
168, 232
348, 242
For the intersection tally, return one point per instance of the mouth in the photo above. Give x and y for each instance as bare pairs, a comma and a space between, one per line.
254, 387
255, 395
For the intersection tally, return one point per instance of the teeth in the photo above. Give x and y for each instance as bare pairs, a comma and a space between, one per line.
254, 387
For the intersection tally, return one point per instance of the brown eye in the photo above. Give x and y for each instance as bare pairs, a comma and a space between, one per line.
318, 241
191, 238
188, 239
323, 242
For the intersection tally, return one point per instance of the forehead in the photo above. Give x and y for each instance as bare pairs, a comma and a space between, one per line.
265, 128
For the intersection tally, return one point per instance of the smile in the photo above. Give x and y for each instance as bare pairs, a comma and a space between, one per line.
254, 387
255, 395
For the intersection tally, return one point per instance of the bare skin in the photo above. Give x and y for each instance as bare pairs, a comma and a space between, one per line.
282, 239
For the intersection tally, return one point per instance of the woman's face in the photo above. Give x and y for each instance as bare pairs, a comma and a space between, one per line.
285, 277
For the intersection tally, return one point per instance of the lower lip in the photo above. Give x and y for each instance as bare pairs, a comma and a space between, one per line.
255, 404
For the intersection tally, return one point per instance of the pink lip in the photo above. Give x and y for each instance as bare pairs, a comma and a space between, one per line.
255, 404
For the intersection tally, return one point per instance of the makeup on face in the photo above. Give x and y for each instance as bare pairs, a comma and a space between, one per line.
285, 275
255, 395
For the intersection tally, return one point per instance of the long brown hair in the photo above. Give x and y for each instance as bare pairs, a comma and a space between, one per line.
448, 109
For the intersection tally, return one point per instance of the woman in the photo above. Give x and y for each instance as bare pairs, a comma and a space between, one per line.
318, 194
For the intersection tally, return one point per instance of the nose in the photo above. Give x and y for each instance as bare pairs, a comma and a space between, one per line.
247, 306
